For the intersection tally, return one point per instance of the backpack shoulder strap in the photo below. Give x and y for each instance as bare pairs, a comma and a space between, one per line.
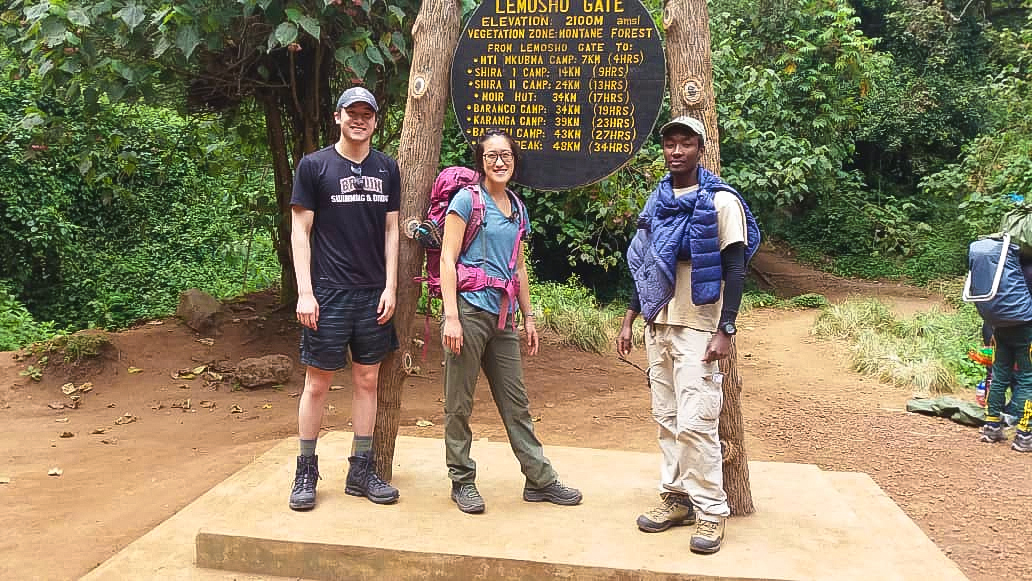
476, 218
522, 230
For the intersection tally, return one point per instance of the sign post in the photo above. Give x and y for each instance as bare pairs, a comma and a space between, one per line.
577, 83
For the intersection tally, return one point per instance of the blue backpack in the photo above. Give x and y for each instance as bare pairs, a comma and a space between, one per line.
996, 283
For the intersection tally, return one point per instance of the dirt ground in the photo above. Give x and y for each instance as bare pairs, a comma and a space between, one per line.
800, 403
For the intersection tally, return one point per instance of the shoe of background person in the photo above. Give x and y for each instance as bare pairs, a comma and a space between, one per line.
1022, 442
709, 534
992, 433
674, 510
364, 481
467, 497
302, 495
556, 493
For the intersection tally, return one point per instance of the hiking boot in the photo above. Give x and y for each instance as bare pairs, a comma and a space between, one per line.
674, 510
708, 535
302, 496
556, 493
1022, 442
993, 433
364, 481
467, 497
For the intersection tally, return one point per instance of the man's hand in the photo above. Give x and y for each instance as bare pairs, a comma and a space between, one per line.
532, 335
719, 347
308, 311
624, 341
385, 310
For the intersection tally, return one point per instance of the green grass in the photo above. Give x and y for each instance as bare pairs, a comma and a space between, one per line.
927, 351
571, 312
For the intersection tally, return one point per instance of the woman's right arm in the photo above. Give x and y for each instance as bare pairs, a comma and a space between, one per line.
454, 231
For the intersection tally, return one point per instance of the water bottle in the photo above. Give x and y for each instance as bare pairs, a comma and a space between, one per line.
980, 391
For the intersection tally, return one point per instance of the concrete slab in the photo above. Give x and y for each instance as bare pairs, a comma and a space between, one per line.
804, 528
885, 523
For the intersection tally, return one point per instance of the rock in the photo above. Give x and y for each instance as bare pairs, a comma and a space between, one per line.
268, 370
200, 311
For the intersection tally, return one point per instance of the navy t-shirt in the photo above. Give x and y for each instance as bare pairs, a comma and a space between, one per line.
351, 202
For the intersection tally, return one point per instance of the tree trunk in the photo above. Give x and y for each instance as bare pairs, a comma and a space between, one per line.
435, 34
691, 93
283, 177
732, 438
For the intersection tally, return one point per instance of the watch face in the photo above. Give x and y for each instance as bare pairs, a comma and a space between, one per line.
729, 328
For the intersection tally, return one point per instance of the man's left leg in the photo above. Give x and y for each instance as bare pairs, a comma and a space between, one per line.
699, 394
370, 344
1021, 393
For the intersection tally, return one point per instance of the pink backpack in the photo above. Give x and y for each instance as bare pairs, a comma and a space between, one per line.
431, 231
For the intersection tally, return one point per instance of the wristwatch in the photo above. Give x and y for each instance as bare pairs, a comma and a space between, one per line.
728, 328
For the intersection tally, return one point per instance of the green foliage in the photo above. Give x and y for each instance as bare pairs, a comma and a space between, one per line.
593, 225
73, 348
931, 100
130, 49
17, 326
927, 351
774, 64
106, 221
571, 312
995, 169
762, 299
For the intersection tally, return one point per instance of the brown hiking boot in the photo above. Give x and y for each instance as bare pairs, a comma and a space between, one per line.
708, 535
674, 510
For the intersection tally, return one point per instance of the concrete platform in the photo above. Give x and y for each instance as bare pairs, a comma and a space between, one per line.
809, 525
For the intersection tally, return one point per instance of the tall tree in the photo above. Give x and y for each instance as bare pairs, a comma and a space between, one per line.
286, 58
435, 35
691, 93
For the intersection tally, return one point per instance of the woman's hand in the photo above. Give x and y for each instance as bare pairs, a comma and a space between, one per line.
532, 335
452, 334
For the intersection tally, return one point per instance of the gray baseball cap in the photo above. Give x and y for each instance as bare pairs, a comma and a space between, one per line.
690, 123
357, 95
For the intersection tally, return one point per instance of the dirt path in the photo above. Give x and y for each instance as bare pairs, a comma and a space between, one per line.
801, 404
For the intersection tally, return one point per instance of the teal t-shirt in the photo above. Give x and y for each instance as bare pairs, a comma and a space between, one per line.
491, 248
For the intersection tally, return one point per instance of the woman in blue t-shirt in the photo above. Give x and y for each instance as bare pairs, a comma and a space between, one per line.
478, 330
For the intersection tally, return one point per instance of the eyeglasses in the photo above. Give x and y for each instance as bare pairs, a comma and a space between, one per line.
492, 157
356, 170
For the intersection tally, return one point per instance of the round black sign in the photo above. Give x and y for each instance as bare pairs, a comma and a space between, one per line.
577, 83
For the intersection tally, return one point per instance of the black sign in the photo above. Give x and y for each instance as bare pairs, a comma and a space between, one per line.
577, 83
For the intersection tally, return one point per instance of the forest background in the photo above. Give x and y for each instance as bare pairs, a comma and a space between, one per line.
147, 146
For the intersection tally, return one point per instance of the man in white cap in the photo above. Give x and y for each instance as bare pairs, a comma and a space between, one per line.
695, 236
344, 237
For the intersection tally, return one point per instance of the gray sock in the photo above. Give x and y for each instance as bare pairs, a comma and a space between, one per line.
308, 447
361, 445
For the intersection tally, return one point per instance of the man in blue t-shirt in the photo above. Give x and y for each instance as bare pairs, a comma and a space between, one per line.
344, 238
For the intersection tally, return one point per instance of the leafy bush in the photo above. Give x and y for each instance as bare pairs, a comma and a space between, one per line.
572, 313
17, 326
105, 221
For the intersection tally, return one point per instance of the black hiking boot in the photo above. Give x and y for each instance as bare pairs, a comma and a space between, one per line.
467, 497
556, 493
302, 496
363, 481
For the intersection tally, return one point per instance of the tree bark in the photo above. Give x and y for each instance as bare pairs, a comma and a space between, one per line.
691, 93
435, 34
283, 177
